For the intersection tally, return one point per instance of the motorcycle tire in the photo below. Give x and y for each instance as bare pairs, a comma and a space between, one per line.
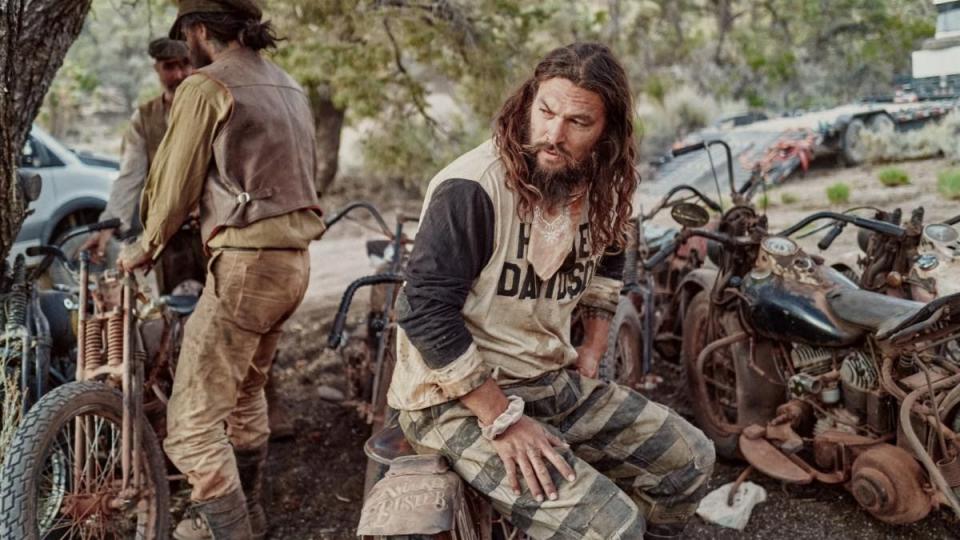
36, 450
622, 362
694, 337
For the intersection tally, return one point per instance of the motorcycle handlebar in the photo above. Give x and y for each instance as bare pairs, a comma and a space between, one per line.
881, 227
832, 235
677, 152
670, 248
713, 205
340, 214
336, 333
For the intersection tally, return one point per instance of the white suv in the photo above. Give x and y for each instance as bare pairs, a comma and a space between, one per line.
76, 187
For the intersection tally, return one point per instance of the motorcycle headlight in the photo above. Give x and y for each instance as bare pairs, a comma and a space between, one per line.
940, 233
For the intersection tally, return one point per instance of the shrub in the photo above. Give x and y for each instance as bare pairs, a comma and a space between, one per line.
948, 182
838, 193
893, 177
788, 198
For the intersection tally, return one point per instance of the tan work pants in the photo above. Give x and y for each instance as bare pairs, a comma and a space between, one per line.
218, 403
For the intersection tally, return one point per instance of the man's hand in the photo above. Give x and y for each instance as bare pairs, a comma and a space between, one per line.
133, 256
96, 244
588, 360
524, 445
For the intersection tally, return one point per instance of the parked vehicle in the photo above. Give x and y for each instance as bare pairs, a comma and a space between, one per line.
810, 378
76, 187
658, 285
86, 461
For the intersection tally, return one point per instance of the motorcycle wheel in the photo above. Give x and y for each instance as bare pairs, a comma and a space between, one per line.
622, 362
41, 498
712, 415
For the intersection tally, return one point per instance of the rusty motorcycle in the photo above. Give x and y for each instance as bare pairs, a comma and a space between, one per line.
810, 378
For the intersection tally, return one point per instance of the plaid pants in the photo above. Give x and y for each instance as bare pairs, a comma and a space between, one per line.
636, 461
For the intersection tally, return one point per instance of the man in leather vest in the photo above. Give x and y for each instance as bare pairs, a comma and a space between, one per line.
241, 145
183, 259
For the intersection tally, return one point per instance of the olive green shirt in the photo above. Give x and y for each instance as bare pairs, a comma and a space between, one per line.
175, 183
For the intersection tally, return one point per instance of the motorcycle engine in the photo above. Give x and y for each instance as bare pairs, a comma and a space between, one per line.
844, 393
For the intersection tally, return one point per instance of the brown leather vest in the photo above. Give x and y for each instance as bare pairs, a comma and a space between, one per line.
153, 117
264, 156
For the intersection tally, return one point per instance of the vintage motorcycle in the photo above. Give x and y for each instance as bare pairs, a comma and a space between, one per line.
86, 460
648, 322
810, 378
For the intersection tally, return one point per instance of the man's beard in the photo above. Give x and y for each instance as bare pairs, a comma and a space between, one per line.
198, 57
557, 185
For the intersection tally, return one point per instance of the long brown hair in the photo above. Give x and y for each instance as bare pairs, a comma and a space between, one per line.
590, 66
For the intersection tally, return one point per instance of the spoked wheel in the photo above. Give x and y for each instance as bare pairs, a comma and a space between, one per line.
44, 494
622, 361
714, 389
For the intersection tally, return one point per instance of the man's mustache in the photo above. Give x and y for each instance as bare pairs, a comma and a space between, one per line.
533, 148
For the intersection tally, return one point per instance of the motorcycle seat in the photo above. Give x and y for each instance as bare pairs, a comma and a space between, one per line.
870, 310
387, 445
182, 304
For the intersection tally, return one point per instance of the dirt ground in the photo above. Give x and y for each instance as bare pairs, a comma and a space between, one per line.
316, 479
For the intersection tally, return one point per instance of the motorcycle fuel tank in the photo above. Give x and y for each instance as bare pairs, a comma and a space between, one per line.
786, 298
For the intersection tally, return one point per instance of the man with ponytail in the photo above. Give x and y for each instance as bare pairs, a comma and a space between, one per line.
241, 145
514, 235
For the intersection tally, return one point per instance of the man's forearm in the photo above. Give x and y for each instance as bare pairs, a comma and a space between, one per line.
486, 401
596, 329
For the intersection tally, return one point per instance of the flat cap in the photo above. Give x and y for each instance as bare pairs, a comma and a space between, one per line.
167, 49
244, 8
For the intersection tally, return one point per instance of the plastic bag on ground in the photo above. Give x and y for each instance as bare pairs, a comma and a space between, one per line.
714, 509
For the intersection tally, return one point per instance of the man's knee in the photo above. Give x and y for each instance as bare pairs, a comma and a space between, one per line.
693, 466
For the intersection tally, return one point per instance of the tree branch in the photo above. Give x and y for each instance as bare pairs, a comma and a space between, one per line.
411, 85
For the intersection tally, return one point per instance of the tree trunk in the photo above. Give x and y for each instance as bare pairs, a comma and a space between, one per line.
328, 120
34, 37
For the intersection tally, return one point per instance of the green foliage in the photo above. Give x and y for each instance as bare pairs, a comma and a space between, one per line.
838, 193
788, 198
426, 77
894, 176
764, 201
948, 183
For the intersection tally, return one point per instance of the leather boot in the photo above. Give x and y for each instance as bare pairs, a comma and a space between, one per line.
664, 531
278, 415
223, 518
250, 465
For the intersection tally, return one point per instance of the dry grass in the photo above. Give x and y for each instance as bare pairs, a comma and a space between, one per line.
934, 139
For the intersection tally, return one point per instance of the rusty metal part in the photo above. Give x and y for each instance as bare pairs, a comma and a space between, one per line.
919, 380
889, 484
918, 449
786, 438
737, 483
760, 453
92, 347
115, 339
835, 450
701, 391
81, 507
950, 469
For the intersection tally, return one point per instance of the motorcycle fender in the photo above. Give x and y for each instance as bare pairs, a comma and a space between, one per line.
418, 495
703, 278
